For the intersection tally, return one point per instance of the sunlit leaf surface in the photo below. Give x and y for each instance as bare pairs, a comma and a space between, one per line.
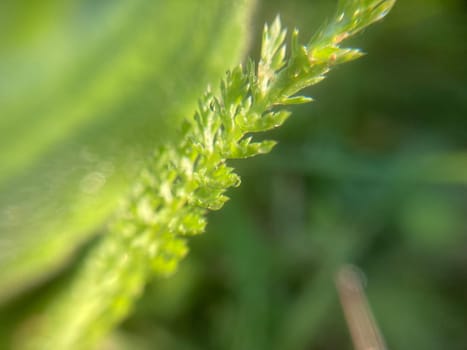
87, 89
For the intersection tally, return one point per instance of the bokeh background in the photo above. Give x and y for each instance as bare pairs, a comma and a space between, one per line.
374, 173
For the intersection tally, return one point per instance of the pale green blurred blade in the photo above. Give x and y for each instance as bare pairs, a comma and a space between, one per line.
87, 89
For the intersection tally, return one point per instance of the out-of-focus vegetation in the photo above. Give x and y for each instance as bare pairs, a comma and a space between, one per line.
87, 91
374, 173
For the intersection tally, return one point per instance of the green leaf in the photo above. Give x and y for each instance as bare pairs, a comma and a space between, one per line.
87, 90
182, 181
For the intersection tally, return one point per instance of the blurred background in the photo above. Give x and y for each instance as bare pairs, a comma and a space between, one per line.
374, 173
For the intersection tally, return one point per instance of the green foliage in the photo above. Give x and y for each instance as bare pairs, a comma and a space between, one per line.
374, 174
186, 179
